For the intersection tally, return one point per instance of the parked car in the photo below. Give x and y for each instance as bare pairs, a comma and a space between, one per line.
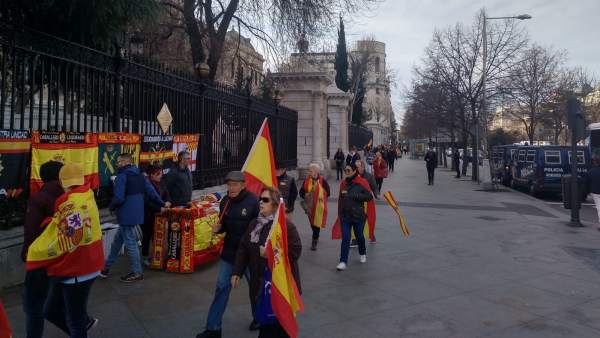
540, 168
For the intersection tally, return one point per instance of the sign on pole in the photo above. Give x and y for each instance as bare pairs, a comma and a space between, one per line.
164, 118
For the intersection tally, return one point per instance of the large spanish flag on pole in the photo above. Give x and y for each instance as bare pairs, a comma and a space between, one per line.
285, 298
392, 202
5, 331
259, 168
65, 147
71, 243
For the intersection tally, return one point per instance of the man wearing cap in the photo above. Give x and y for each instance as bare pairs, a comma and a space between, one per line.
237, 209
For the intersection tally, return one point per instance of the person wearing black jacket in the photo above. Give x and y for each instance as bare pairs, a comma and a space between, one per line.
352, 156
391, 158
351, 212
288, 189
151, 209
179, 181
237, 210
456, 160
339, 163
431, 163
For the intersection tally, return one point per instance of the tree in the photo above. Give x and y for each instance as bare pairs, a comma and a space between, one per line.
531, 84
357, 113
98, 24
360, 61
499, 136
341, 61
274, 23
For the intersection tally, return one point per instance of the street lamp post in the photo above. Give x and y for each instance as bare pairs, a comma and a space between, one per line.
483, 86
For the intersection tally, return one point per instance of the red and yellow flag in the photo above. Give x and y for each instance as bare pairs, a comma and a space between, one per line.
71, 244
5, 331
65, 147
259, 168
392, 202
285, 298
318, 214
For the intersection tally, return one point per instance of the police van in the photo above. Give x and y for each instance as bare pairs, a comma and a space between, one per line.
502, 162
540, 168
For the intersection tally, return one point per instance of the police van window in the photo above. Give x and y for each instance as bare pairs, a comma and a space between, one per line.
512, 152
521, 155
580, 157
552, 156
531, 155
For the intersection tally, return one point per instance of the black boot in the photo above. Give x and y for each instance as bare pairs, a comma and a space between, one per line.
313, 246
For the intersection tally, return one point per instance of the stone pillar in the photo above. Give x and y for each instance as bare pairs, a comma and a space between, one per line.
338, 104
317, 122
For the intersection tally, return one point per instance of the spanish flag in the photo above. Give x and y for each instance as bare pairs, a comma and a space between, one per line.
392, 202
259, 168
336, 232
71, 244
80, 148
5, 331
285, 298
318, 214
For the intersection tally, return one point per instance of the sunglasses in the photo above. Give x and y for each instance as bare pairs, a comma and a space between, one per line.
265, 199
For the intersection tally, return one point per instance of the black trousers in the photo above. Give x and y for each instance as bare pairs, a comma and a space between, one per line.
379, 182
391, 165
339, 172
457, 168
316, 232
430, 174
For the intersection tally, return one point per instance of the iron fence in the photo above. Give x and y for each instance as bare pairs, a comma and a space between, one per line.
47, 83
359, 136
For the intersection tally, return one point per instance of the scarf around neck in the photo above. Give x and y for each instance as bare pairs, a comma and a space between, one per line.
261, 221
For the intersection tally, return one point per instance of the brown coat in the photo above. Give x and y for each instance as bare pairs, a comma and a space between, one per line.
248, 257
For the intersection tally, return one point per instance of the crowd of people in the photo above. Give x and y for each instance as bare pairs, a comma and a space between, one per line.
59, 293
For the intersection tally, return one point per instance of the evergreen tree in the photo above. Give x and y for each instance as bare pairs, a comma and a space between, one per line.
358, 113
341, 60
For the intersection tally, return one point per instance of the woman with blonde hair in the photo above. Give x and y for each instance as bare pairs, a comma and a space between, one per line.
307, 192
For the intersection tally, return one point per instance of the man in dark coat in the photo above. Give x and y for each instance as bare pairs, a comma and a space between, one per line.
391, 158
352, 156
237, 210
288, 189
179, 181
456, 161
431, 164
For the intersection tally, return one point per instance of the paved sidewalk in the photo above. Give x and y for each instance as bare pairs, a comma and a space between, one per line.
477, 264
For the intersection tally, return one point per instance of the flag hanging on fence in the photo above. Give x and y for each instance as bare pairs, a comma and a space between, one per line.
65, 147
157, 150
187, 142
285, 298
259, 168
15, 146
110, 146
392, 202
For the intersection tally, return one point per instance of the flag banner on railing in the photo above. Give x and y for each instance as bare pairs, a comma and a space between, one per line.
15, 148
156, 149
110, 146
65, 147
189, 142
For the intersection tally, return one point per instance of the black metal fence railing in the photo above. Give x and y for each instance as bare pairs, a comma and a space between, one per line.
359, 136
51, 84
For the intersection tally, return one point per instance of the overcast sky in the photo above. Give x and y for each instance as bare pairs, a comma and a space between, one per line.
406, 26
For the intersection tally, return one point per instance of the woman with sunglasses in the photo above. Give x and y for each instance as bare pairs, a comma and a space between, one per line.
354, 192
251, 255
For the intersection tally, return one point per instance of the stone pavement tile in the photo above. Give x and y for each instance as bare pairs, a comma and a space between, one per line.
587, 314
316, 313
414, 289
355, 300
477, 316
346, 329
410, 322
117, 319
466, 277
567, 286
547, 328
527, 298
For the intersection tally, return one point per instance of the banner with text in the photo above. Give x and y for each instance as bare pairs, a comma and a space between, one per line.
187, 142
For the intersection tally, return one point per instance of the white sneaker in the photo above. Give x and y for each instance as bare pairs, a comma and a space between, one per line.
341, 266
363, 258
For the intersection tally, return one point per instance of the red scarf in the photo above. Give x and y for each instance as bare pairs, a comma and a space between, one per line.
336, 232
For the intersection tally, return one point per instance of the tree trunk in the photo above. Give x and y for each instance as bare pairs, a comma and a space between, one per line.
193, 31
474, 159
465, 164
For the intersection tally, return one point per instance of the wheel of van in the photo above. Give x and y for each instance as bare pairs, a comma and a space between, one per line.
532, 190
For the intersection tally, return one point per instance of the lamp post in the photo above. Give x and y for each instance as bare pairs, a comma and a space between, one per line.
483, 85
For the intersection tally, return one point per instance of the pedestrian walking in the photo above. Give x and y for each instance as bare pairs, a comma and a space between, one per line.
306, 193
354, 192
237, 210
352, 156
431, 163
593, 183
369, 157
39, 207
151, 208
456, 161
380, 170
70, 249
391, 158
179, 181
130, 189
339, 164
288, 189
360, 166
251, 256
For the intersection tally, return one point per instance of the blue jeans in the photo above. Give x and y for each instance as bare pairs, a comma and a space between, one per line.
125, 235
68, 302
346, 236
214, 321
